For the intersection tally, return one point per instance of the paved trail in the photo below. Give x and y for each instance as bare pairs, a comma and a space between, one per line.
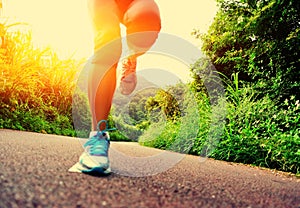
33, 173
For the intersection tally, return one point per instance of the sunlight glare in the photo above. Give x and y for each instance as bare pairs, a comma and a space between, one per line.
62, 25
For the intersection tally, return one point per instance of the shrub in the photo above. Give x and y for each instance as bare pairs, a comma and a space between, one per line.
256, 131
260, 132
36, 87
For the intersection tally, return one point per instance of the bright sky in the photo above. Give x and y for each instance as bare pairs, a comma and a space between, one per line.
64, 24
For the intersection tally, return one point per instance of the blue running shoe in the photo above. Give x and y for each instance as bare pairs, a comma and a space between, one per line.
94, 159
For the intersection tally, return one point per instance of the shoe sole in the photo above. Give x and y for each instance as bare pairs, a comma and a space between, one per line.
79, 168
128, 86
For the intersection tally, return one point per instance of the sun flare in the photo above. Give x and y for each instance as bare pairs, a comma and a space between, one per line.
64, 25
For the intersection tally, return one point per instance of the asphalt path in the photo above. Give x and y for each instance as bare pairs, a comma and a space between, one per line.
34, 173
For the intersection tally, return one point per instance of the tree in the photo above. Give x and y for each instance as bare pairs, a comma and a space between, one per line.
169, 101
260, 41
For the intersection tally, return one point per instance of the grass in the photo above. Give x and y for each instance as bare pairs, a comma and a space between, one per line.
257, 131
261, 132
36, 87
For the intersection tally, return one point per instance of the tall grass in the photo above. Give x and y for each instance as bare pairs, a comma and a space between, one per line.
257, 131
35, 87
39, 92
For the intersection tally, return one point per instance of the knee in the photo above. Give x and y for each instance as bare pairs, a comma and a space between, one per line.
146, 19
141, 42
142, 26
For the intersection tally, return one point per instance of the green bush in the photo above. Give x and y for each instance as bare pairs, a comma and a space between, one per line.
160, 135
36, 87
260, 132
238, 41
178, 134
20, 117
256, 131
81, 114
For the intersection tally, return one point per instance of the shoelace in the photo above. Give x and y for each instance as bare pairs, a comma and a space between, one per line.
97, 146
98, 143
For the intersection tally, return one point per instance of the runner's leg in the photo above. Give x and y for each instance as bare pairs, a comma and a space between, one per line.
107, 51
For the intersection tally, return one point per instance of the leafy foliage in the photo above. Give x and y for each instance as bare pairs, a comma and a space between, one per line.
255, 47
36, 87
169, 101
260, 40
259, 132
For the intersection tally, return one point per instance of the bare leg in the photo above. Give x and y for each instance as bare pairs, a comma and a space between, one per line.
101, 92
102, 68
142, 21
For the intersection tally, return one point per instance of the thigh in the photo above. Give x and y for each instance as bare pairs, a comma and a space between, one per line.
142, 21
105, 19
142, 15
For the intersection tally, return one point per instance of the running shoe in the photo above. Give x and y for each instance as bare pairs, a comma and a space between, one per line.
128, 76
94, 159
